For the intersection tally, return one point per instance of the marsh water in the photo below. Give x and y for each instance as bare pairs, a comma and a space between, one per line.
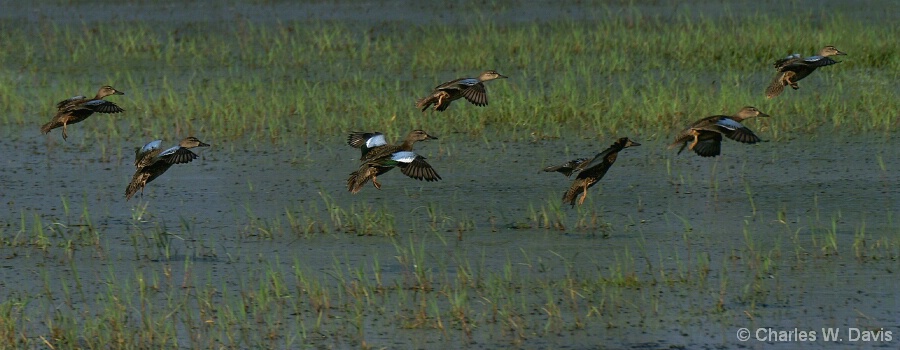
226, 213
679, 251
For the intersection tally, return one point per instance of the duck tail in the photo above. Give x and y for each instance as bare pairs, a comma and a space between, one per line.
572, 194
355, 182
681, 140
137, 183
775, 88
424, 103
49, 126
675, 144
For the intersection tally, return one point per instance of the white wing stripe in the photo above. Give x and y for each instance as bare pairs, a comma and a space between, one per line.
169, 151
151, 146
813, 58
404, 156
375, 141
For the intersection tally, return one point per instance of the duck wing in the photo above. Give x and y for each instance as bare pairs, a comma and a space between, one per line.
598, 166
101, 106
358, 139
819, 61
709, 146
146, 155
476, 94
379, 152
62, 105
567, 168
736, 131
415, 166
177, 155
456, 84
781, 62
367, 142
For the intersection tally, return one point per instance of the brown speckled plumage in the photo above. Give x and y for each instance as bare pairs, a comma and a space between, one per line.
358, 139
417, 169
471, 88
151, 162
379, 157
594, 170
794, 67
704, 136
78, 108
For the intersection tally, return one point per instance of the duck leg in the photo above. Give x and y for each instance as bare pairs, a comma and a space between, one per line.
583, 194
440, 100
696, 139
788, 81
375, 183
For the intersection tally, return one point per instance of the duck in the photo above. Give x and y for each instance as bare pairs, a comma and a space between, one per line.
704, 136
410, 164
470, 88
794, 67
373, 145
590, 172
151, 161
567, 168
78, 108
378, 157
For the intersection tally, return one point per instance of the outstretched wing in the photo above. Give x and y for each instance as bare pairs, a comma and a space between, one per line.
61, 105
598, 166
359, 139
737, 131
567, 168
787, 60
819, 61
476, 94
415, 166
177, 155
101, 106
709, 147
145, 155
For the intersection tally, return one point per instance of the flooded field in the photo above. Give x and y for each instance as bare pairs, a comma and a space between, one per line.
667, 251
258, 243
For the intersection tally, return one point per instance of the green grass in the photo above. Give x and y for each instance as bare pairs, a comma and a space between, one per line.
438, 274
456, 293
282, 81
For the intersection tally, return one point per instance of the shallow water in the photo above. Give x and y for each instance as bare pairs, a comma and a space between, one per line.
712, 244
220, 207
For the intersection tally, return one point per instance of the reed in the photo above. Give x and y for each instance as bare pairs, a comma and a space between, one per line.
289, 80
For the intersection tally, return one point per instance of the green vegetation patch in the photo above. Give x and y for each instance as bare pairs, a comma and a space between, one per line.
280, 81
